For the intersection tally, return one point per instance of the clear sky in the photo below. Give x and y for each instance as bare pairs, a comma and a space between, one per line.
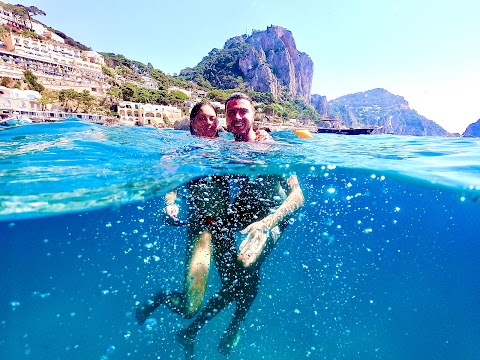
427, 51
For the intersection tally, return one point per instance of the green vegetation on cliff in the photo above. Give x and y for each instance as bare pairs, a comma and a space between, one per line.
219, 74
219, 69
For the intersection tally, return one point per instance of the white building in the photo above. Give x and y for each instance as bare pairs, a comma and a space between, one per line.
132, 113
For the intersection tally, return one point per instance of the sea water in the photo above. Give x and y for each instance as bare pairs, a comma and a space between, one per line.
380, 263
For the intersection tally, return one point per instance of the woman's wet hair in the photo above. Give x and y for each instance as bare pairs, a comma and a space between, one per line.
196, 108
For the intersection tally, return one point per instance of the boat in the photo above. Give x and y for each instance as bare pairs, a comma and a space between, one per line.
338, 127
16, 121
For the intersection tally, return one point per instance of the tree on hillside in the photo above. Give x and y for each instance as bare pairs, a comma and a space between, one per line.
34, 11
69, 99
115, 93
200, 80
86, 101
123, 70
273, 109
4, 31
48, 97
261, 97
6, 81
27, 12
19, 15
31, 80
162, 79
175, 98
129, 91
146, 96
107, 71
218, 95
178, 97
73, 101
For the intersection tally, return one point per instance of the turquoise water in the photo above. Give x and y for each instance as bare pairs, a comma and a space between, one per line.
380, 263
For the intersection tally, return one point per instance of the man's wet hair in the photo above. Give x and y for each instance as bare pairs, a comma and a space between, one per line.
239, 96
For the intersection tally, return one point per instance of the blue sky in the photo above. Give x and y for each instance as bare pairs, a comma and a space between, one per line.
424, 50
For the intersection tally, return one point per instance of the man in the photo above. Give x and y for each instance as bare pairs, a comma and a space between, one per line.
240, 115
251, 211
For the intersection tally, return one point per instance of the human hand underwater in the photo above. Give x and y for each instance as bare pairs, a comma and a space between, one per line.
259, 236
171, 215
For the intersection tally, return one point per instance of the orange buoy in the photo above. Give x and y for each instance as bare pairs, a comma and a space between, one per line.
303, 133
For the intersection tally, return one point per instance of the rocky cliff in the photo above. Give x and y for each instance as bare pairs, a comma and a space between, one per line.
266, 61
473, 130
379, 107
320, 104
273, 60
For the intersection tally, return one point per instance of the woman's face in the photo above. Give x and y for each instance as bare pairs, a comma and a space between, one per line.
205, 122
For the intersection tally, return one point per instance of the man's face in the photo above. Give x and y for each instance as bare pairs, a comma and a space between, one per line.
240, 116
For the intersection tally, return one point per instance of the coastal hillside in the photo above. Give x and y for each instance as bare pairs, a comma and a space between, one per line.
378, 107
265, 61
473, 130
266, 64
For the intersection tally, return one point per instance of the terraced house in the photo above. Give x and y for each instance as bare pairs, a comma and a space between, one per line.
29, 45
56, 64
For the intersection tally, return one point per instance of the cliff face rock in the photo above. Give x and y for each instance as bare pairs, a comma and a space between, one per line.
273, 52
320, 104
266, 61
378, 107
473, 130
258, 74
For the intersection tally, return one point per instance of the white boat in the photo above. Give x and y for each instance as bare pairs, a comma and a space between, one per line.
16, 121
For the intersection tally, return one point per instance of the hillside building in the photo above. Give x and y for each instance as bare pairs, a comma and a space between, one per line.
132, 113
59, 66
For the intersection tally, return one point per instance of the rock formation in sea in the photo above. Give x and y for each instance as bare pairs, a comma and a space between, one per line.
378, 107
473, 130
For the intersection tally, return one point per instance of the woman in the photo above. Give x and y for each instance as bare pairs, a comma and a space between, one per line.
205, 221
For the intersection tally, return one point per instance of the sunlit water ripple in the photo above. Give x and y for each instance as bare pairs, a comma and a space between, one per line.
67, 166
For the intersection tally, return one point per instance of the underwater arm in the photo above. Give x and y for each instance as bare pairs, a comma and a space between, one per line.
171, 209
260, 231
